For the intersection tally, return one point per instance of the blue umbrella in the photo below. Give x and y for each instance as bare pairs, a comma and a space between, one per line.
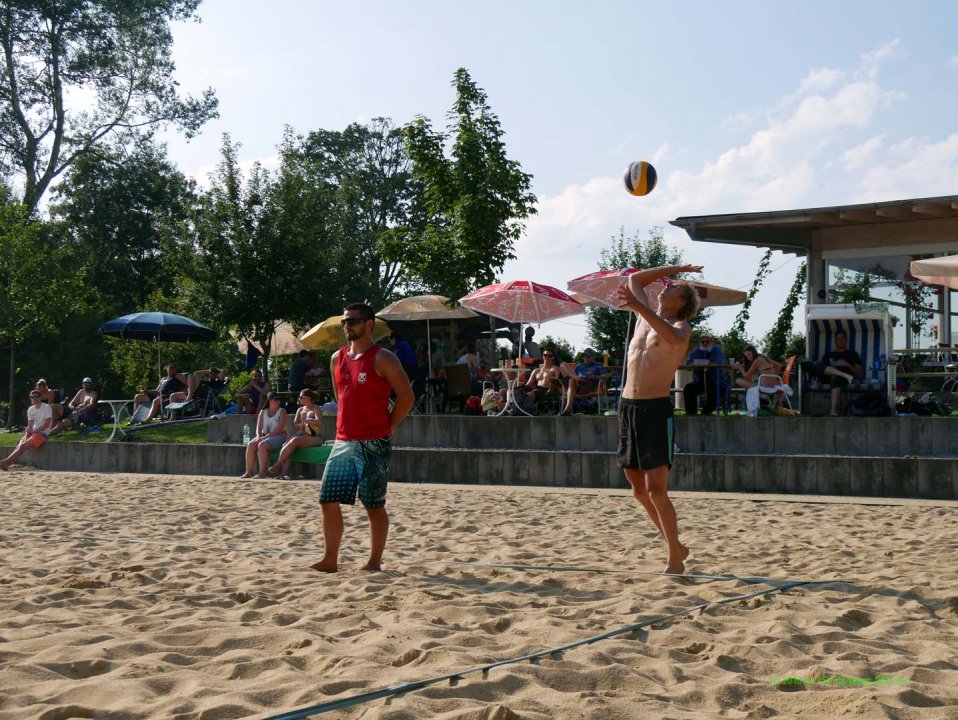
158, 326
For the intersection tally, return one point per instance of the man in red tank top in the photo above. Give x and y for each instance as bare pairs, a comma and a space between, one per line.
364, 376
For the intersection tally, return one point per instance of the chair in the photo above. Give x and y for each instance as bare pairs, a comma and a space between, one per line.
770, 385
458, 385
600, 392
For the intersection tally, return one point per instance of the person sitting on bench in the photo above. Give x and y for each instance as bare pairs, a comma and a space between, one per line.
308, 426
839, 368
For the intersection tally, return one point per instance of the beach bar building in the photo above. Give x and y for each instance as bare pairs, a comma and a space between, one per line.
879, 238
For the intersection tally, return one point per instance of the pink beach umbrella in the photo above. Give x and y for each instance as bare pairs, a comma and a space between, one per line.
600, 287
522, 301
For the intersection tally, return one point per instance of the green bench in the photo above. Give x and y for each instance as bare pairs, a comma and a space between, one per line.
317, 454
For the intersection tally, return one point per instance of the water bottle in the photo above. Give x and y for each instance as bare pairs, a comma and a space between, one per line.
247, 434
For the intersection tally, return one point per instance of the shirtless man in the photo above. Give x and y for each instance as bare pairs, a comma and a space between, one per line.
543, 378
645, 411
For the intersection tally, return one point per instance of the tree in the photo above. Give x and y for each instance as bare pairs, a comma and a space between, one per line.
39, 283
607, 327
256, 261
363, 200
780, 337
120, 53
475, 199
127, 211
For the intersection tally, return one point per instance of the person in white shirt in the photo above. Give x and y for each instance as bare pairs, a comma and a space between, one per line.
39, 420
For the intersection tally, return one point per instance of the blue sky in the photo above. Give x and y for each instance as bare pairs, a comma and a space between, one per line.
741, 106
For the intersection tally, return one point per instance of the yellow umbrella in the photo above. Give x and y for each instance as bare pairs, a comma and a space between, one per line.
329, 335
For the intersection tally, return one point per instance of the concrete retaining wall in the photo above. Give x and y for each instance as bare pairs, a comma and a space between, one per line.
872, 437
890, 457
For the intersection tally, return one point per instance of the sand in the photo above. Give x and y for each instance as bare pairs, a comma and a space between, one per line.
186, 623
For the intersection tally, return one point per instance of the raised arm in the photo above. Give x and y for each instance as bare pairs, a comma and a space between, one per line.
640, 279
677, 334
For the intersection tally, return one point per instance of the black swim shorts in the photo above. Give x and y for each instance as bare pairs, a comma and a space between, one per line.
645, 433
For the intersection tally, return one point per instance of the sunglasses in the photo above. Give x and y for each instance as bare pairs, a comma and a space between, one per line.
547, 355
34, 396
705, 342
351, 321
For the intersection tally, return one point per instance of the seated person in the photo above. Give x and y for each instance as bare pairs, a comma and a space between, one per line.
52, 398
172, 388
709, 381
469, 358
81, 409
586, 378
308, 426
39, 422
314, 372
545, 379
270, 434
298, 370
250, 397
530, 348
755, 364
839, 368
483, 375
200, 384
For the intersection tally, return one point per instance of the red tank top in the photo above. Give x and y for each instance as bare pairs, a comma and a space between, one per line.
363, 397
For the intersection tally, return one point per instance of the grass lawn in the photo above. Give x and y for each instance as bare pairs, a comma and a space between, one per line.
191, 433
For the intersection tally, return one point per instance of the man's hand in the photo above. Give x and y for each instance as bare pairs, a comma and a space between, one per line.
625, 297
689, 268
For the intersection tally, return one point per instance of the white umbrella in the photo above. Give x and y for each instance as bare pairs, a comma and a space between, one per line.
937, 271
424, 307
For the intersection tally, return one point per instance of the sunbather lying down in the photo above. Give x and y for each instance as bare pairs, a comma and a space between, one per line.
174, 388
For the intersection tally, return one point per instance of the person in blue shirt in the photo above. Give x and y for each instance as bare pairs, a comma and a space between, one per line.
588, 374
710, 381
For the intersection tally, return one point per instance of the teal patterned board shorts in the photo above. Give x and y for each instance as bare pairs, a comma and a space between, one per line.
353, 465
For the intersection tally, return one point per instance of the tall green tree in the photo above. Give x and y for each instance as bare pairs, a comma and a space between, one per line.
363, 199
118, 53
475, 197
607, 327
127, 212
39, 282
255, 265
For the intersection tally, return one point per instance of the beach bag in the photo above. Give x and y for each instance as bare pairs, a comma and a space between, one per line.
869, 404
473, 406
490, 399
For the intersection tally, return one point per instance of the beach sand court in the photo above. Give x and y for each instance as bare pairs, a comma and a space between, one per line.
143, 596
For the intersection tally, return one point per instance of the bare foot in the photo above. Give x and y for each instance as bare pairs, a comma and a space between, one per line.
3, 466
272, 470
260, 476
674, 569
325, 566
373, 567
246, 475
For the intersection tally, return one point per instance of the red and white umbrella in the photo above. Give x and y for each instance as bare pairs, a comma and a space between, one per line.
522, 301
600, 287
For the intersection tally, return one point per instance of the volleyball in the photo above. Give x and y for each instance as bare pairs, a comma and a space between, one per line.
640, 178
311, 427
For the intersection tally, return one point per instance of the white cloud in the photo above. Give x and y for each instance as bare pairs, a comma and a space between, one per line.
808, 152
738, 121
203, 172
871, 62
952, 61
